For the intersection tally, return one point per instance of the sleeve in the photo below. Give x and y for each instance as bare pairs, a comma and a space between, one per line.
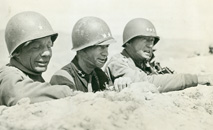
62, 77
173, 82
123, 68
165, 83
15, 87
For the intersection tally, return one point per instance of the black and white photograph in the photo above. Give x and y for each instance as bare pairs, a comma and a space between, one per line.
106, 65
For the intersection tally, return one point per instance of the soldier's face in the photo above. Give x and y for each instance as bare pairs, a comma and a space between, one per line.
97, 55
143, 47
36, 55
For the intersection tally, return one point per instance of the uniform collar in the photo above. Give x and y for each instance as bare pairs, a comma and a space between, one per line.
15, 63
138, 63
79, 69
33, 75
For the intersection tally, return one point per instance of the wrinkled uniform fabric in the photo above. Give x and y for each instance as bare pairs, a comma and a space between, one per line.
122, 65
74, 77
17, 82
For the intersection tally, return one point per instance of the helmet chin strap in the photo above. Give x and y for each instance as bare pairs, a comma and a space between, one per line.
85, 63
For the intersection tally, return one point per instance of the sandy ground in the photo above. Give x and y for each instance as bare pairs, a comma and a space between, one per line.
134, 108
139, 107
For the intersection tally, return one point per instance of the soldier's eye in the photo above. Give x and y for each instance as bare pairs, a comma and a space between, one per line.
104, 46
35, 47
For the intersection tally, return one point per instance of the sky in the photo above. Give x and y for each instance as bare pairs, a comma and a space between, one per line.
175, 19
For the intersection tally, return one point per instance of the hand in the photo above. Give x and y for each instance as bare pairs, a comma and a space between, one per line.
205, 79
121, 83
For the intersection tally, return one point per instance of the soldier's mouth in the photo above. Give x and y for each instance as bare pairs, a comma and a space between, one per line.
42, 63
102, 61
147, 51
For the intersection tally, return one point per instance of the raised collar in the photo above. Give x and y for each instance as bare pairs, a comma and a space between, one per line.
139, 64
31, 74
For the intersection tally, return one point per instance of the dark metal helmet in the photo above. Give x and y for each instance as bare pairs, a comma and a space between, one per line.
27, 26
89, 31
139, 27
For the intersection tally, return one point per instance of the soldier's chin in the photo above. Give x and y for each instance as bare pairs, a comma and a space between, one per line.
99, 65
40, 69
147, 57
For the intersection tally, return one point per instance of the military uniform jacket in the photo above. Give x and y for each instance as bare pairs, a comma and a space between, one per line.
16, 82
123, 65
73, 76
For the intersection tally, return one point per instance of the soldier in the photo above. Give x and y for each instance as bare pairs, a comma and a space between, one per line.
139, 37
29, 38
91, 37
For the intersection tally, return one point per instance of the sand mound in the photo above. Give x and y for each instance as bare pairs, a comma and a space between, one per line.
135, 108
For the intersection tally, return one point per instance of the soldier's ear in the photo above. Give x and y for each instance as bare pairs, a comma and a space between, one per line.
17, 52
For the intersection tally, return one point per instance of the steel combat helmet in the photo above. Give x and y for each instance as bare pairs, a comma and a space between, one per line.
89, 31
27, 26
139, 27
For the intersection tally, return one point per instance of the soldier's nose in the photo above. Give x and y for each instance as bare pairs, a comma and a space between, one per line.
46, 52
105, 51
